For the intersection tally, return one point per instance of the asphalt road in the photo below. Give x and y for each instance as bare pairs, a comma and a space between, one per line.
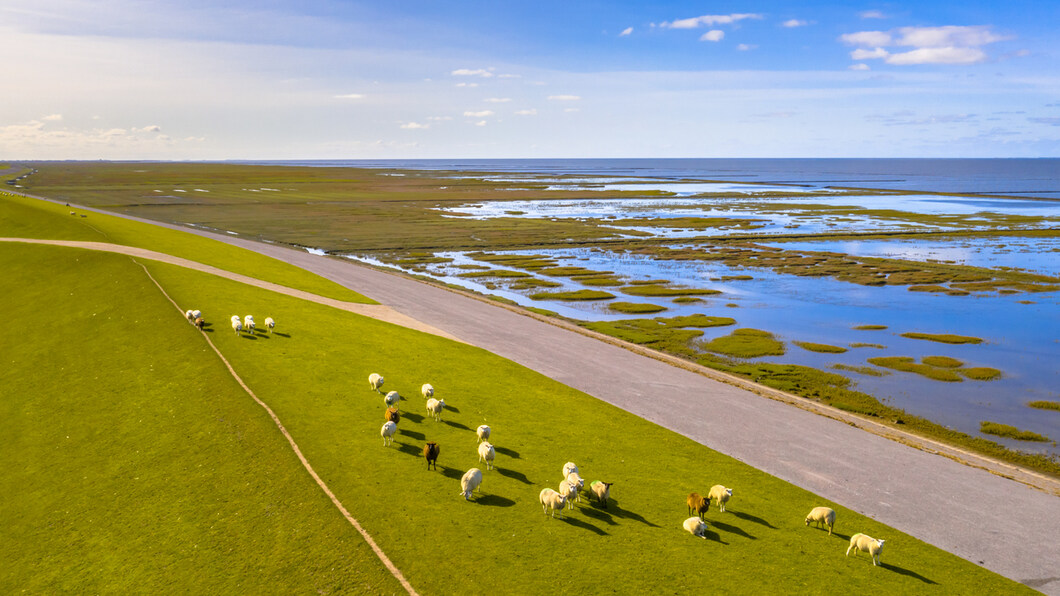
1001, 524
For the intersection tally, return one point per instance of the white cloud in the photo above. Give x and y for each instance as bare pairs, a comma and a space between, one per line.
708, 20
564, 97
744, 47
52, 117
509, 76
947, 55
467, 72
1046, 120
38, 137
859, 66
530, 112
440, 118
480, 123
497, 99
933, 45
414, 126
626, 31
350, 96
949, 36
862, 54
866, 38
871, 14
467, 84
151, 128
572, 110
712, 35
479, 114
794, 23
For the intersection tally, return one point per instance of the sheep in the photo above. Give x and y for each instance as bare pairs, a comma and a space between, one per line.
720, 495
469, 482
861, 542
697, 504
270, 324
387, 432
486, 453
569, 490
248, 323
195, 314
696, 526
237, 325
821, 515
568, 468
483, 433
601, 490
200, 323
391, 398
435, 407
375, 381
430, 453
188, 315
578, 483
427, 390
392, 415
551, 499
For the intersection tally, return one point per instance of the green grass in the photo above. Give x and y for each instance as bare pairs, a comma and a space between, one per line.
861, 370
981, 373
907, 364
946, 338
669, 334
1011, 432
823, 348
1045, 405
500, 273
31, 218
942, 361
869, 327
635, 308
861, 344
656, 290
746, 343
573, 296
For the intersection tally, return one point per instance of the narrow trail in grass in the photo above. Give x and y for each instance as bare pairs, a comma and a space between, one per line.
375, 311
297, 451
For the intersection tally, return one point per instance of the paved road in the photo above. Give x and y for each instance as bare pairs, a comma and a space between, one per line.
1003, 525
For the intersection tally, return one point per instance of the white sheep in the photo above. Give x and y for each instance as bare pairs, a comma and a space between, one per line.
435, 407
270, 324
551, 499
822, 515
601, 490
237, 325
469, 482
483, 433
248, 323
427, 390
391, 398
568, 468
696, 526
387, 432
569, 490
861, 542
720, 495
578, 483
376, 381
486, 453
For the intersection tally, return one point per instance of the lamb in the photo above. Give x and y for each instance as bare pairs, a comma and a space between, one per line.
237, 325
697, 504
430, 453
861, 542
551, 499
696, 526
601, 490
187, 315
720, 495
821, 515
391, 398
486, 453
427, 390
387, 432
270, 324
376, 381
483, 433
568, 468
435, 407
200, 323
578, 483
392, 415
569, 490
248, 323
192, 315
469, 482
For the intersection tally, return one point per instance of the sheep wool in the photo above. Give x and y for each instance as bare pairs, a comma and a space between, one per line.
720, 495
822, 515
469, 482
387, 432
375, 381
569, 491
270, 324
483, 433
862, 542
696, 527
435, 407
391, 399
486, 453
568, 468
248, 323
237, 325
551, 499
427, 390
601, 491
697, 504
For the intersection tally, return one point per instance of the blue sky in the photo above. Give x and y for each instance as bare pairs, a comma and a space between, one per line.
146, 79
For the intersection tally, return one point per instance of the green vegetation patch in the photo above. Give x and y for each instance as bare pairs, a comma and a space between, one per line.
869, 327
529, 283
635, 308
1011, 432
670, 334
600, 281
499, 273
861, 370
946, 338
686, 300
861, 344
572, 271
573, 296
1045, 405
823, 348
942, 361
746, 343
907, 364
981, 373
655, 290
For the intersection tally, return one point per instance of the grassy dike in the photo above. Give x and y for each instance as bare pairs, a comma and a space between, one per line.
173, 480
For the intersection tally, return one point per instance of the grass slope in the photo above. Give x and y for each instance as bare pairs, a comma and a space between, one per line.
133, 462
316, 380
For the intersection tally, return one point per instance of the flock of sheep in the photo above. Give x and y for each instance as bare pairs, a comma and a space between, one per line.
572, 484
238, 325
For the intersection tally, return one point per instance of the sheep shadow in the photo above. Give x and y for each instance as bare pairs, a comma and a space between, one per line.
907, 572
513, 475
752, 518
455, 425
577, 523
245, 336
494, 501
597, 513
836, 534
281, 334
412, 434
713, 536
409, 448
731, 529
618, 511
454, 473
506, 452
417, 418
452, 408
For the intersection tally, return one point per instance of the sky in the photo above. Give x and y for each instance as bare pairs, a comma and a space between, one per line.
338, 79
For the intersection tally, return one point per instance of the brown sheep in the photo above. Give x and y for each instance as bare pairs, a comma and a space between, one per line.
697, 504
392, 415
430, 453
200, 323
